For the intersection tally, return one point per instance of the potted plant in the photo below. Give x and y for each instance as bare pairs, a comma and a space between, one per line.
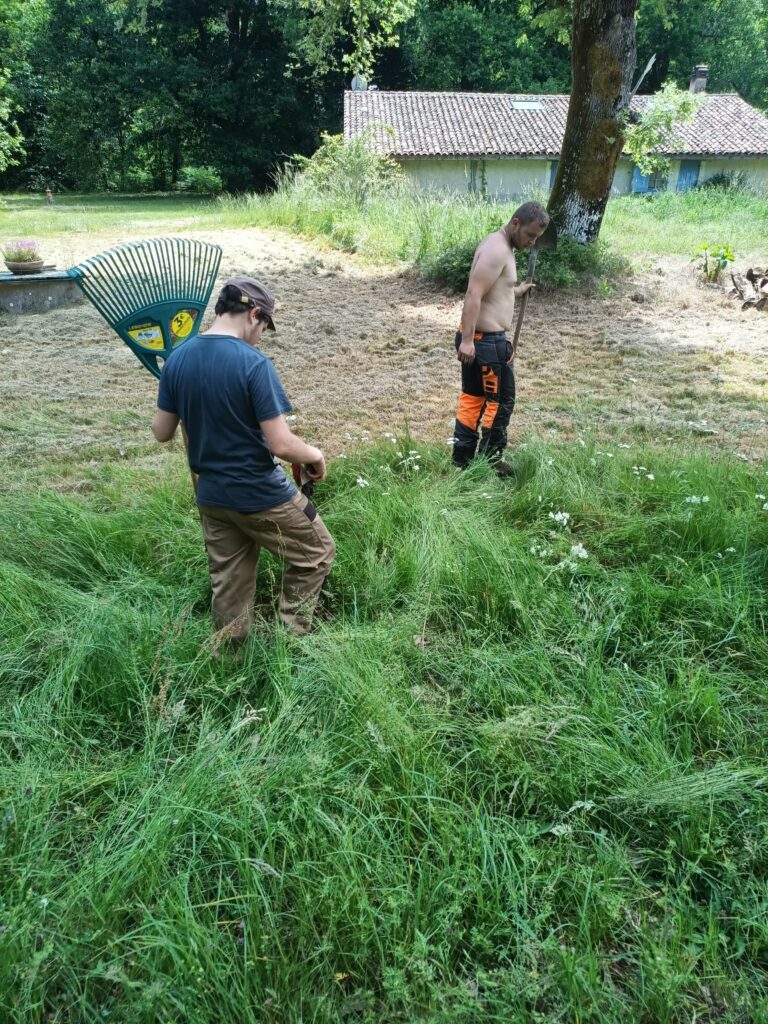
23, 257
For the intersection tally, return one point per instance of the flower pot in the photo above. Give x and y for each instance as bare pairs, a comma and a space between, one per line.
27, 267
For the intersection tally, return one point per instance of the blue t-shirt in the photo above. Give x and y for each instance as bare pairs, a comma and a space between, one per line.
221, 388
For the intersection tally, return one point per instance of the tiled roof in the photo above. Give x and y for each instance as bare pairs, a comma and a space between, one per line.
472, 124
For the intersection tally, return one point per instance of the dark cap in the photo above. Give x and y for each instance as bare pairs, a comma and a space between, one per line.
254, 291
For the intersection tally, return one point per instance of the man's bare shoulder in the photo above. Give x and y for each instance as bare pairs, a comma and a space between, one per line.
493, 244
493, 251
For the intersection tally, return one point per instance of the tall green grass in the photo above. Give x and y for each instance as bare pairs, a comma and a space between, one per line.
500, 782
436, 233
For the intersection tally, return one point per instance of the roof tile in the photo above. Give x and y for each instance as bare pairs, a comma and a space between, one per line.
470, 124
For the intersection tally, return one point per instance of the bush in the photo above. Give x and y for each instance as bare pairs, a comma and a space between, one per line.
570, 265
347, 172
206, 180
727, 181
139, 180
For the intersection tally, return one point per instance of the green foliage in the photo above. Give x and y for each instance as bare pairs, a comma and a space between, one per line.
205, 180
572, 265
22, 251
486, 46
365, 26
122, 94
727, 35
731, 182
676, 222
343, 172
712, 260
647, 139
501, 781
11, 140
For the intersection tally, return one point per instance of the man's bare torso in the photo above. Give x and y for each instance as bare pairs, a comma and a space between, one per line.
498, 304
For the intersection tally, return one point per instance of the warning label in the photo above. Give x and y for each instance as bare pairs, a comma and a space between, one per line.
182, 324
148, 335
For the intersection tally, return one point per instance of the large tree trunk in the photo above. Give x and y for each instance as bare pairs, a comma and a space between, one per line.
603, 58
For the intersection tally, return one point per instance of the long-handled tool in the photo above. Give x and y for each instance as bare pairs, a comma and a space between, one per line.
547, 240
153, 294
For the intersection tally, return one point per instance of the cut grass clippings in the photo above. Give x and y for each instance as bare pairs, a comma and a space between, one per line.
516, 774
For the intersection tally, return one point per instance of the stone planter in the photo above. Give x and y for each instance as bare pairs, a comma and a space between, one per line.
27, 267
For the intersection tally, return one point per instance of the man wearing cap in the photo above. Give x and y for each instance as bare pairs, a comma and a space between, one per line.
232, 406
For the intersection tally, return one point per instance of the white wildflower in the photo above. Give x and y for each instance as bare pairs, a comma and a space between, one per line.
579, 551
730, 551
560, 517
760, 497
550, 462
362, 482
765, 507
650, 476
561, 830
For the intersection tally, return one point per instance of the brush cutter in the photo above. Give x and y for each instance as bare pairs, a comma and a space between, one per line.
547, 240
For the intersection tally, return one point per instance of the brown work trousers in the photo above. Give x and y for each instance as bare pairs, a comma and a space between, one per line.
294, 532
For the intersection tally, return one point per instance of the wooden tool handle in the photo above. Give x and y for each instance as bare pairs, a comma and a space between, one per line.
524, 300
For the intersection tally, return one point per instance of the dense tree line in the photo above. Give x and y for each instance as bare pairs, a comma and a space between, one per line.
124, 94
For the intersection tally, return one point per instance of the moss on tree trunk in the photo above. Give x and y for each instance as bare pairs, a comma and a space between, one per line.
603, 61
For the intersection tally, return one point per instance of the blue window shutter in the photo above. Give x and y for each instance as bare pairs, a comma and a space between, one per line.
553, 173
689, 175
639, 181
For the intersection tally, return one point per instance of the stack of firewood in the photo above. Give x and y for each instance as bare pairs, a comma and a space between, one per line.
751, 288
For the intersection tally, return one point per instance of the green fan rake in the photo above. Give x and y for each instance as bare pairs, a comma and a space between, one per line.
153, 293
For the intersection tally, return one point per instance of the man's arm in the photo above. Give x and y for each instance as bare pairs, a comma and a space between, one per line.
164, 425
284, 444
484, 274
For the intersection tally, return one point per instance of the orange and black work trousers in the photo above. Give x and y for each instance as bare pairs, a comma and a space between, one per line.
487, 400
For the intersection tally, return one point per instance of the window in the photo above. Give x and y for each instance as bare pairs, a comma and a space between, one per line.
655, 182
553, 173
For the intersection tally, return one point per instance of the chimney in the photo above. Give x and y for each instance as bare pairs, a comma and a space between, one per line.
699, 77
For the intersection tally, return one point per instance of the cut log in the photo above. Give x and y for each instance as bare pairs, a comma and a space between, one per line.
745, 288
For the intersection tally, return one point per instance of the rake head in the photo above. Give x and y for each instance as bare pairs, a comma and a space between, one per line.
152, 292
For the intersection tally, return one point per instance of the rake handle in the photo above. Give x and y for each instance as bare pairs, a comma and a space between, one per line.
524, 300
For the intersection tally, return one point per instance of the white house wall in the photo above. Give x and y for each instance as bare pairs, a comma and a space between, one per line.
505, 179
756, 169
516, 179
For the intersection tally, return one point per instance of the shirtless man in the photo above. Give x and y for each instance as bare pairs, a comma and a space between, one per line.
486, 355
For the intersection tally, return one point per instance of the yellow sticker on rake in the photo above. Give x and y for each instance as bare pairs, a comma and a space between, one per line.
182, 324
147, 335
